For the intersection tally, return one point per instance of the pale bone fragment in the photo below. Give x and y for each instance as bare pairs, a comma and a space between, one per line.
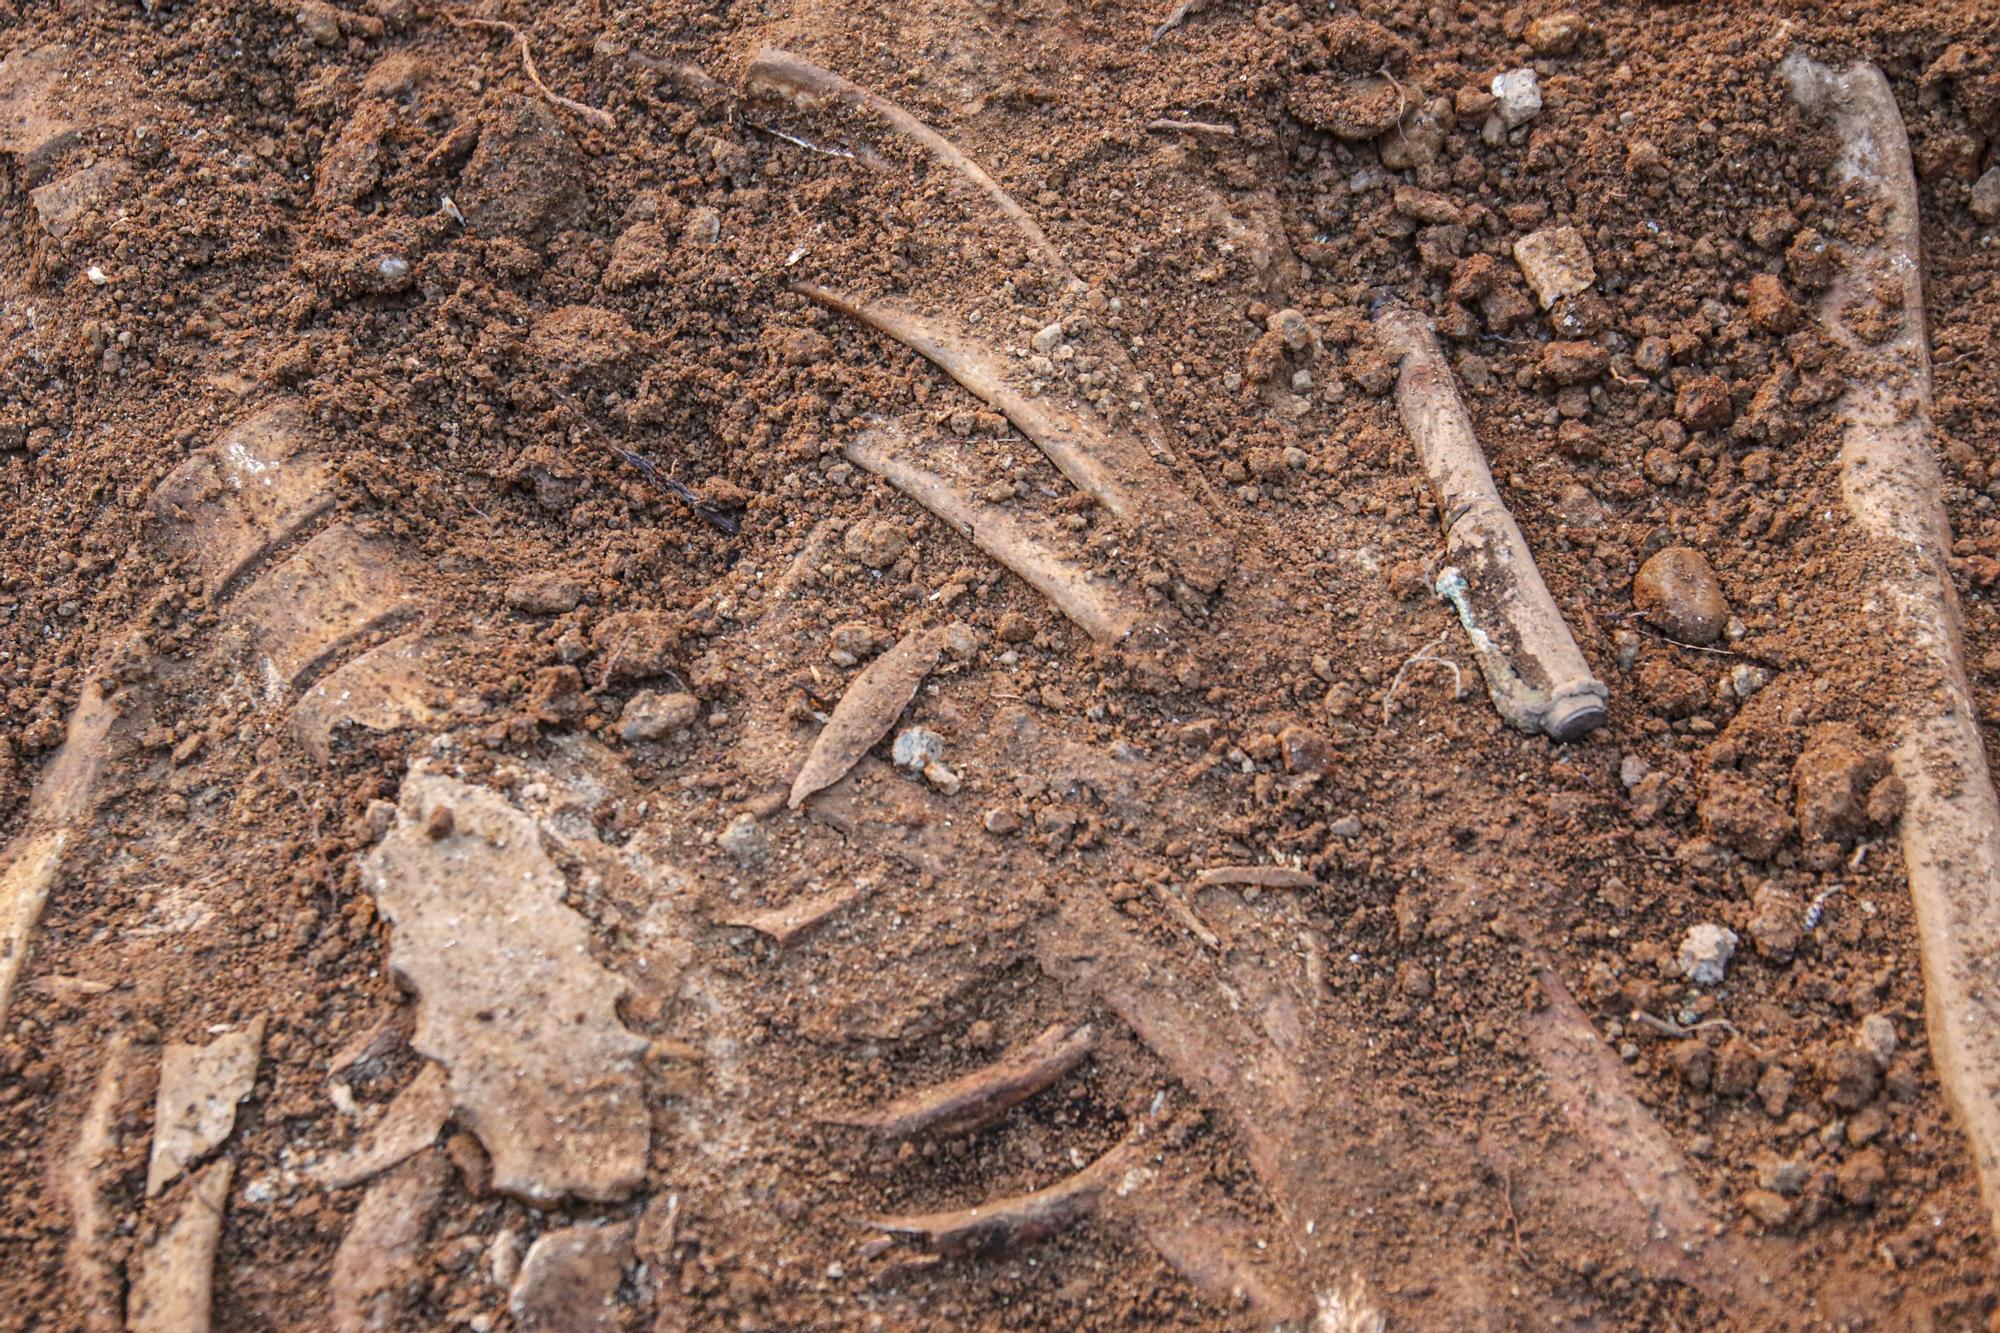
200, 1087
384, 1248
1892, 489
1261, 877
92, 1276
1105, 467
867, 710
510, 1000
1534, 673
801, 81
1003, 1226
409, 1125
175, 1284
797, 919
569, 1280
983, 1096
1095, 609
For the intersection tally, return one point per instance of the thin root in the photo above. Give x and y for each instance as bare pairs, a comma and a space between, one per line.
1423, 655
603, 120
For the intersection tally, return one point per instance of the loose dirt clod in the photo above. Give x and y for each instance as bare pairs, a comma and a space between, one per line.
1890, 482
1536, 676
1004, 1226
980, 1098
866, 711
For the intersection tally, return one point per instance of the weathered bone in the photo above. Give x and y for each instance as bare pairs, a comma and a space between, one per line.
1093, 607
800, 80
1890, 483
93, 1280
1006, 1225
175, 1282
1536, 676
983, 1096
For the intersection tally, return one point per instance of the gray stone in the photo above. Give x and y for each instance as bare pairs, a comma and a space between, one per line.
1518, 96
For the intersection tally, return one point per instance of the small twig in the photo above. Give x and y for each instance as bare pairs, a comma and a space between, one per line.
1175, 19
715, 518
1513, 1222
1644, 628
1402, 100
603, 120
795, 139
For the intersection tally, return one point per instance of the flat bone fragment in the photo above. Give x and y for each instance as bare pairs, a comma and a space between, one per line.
1259, 877
794, 921
93, 1280
999, 1228
1536, 677
411, 1123
569, 1280
980, 1098
200, 1087
509, 999
871, 705
175, 1284
1891, 485
1094, 608
384, 1249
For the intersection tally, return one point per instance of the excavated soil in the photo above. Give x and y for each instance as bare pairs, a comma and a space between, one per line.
345, 385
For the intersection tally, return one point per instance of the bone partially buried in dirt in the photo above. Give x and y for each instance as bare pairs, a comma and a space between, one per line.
868, 709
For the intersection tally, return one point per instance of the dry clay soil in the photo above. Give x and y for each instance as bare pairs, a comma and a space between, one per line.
406, 729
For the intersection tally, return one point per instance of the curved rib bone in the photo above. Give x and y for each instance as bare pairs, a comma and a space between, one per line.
1093, 608
1890, 482
983, 1096
1536, 676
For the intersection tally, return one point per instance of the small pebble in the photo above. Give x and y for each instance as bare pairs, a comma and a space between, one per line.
649, 716
1705, 953
1556, 263
917, 747
1877, 1036
1517, 97
1680, 596
1985, 198
745, 840
1555, 34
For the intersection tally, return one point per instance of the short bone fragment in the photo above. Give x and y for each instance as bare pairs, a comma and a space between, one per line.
1097, 610
983, 1096
1534, 673
199, 1089
175, 1282
1890, 483
1005, 1225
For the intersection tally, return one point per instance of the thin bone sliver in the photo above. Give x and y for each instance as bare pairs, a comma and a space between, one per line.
1891, 487
1261, 877
795, 920
1006, 1225
801, 80
1534, 673
866, 711
1092, 608
983, 1096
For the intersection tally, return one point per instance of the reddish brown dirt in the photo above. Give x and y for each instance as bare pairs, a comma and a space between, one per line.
1378, 1082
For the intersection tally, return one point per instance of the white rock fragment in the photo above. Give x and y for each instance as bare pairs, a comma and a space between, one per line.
1556, 263
744, 838
1745, 680
1705, 953
196, 1106
509, 998
1520, 96
917, 747
97, 276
